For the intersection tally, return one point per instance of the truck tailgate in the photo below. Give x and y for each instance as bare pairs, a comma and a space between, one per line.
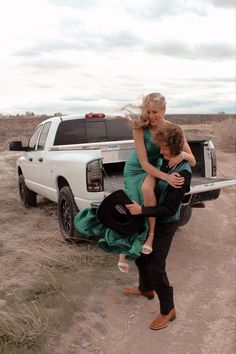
202, 184
198, 184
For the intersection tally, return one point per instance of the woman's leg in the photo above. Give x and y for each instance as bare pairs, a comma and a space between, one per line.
122, 264
148, 187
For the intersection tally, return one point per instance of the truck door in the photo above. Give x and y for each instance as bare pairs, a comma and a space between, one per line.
28, 164
40, 166
33, 164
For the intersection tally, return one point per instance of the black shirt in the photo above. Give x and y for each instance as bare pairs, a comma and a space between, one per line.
174, 196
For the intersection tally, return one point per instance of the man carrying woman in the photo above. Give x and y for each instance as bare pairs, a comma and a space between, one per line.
152, 268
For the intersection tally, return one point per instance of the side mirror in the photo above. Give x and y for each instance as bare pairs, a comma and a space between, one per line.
16, 146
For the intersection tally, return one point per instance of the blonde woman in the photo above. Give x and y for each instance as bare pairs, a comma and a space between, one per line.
142, 168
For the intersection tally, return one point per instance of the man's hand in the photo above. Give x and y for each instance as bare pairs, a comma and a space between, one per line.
134, 209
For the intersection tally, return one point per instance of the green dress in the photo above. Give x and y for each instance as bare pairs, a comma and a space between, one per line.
134, 174
88, 224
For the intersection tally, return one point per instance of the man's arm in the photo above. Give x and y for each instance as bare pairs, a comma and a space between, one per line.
171, 203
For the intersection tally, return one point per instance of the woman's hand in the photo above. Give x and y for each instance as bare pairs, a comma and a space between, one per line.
174, 161
175, 180
134, 209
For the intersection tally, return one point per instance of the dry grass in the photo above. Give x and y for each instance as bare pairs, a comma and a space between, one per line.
43, 279
22, 327
226, 134
222, 134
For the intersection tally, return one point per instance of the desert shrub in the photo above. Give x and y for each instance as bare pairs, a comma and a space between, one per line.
226, 134
22, 327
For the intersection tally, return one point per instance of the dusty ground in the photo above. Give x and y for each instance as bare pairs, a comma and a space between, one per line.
201, 266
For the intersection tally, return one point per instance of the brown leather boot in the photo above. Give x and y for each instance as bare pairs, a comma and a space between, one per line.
162, 321
136, 292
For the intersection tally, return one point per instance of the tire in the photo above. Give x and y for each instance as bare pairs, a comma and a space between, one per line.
67, 209
185, 215
28, 198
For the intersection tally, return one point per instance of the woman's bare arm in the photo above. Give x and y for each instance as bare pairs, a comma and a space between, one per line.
186, 154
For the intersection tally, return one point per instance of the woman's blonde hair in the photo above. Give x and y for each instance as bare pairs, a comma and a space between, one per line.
140, 120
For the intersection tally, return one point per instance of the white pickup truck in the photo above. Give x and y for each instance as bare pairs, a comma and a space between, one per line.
77, 160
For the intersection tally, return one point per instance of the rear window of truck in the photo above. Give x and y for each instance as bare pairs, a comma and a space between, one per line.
71, 132
90, 130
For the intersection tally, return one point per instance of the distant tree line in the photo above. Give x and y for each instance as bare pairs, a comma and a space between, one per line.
29, 114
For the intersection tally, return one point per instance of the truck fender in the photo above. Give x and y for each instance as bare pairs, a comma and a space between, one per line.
28, 198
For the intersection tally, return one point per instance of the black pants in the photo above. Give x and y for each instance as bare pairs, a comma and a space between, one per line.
152, 273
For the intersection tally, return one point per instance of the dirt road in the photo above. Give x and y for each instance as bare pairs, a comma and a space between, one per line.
201, 266
90, 313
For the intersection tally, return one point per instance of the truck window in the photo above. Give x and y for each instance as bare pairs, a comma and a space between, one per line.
34, 138
118, 129
43, 136
96, 131
71, 132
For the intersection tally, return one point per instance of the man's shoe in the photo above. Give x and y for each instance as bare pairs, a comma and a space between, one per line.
162, 321
136, 292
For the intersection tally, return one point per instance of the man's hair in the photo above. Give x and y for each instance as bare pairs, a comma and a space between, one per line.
172, 136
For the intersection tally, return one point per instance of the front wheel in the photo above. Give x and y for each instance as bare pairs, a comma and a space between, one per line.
67, 209
28, 198
185, 215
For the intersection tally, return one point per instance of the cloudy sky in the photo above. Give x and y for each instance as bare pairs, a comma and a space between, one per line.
80, 56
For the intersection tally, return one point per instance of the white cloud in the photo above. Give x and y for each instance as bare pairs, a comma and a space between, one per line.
207, 51
74, 3
224, 3
69, 55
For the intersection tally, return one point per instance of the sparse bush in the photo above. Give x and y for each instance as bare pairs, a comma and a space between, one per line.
226, 134
22, 327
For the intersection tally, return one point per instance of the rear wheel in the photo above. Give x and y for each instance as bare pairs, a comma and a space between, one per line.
185, 215
67, 209
28, 198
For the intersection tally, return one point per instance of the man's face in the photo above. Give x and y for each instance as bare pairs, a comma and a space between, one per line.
165, 151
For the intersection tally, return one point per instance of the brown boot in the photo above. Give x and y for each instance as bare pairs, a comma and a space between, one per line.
162, 321
136, 292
